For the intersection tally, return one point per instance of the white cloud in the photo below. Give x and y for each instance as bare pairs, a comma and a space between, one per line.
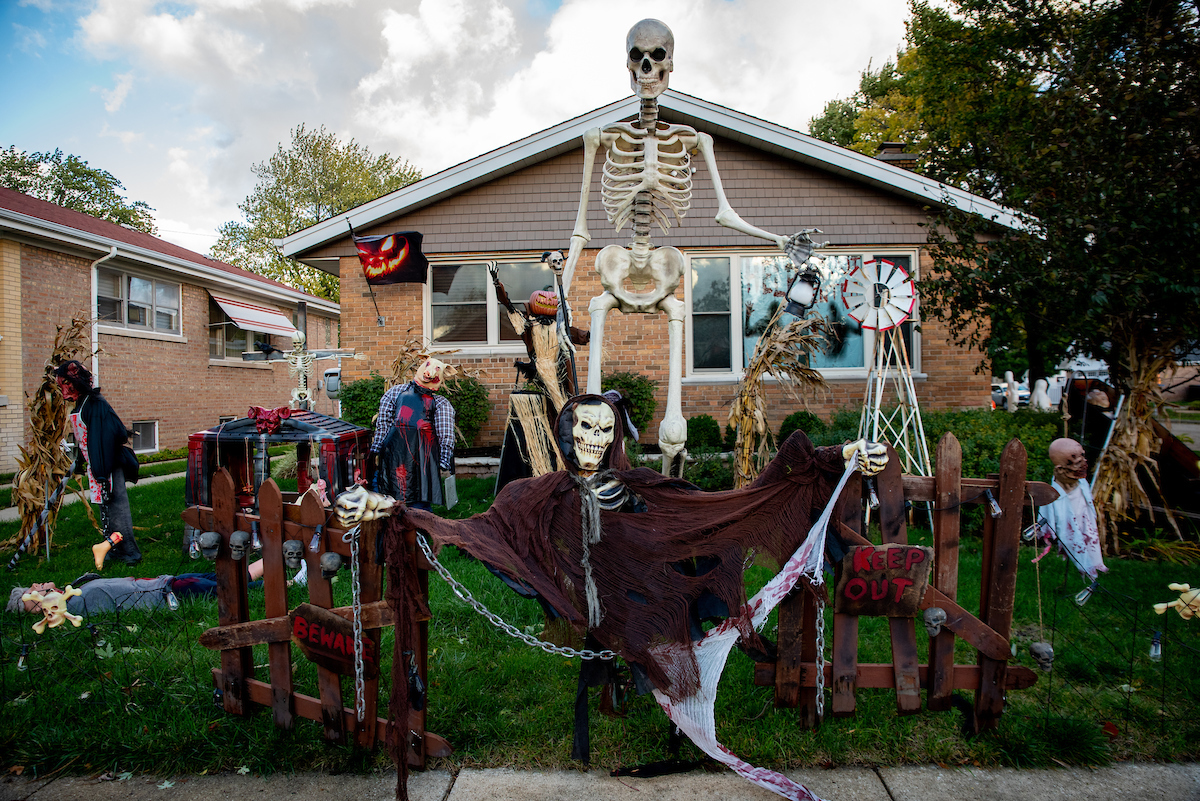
29, 40
113, 98
126, 138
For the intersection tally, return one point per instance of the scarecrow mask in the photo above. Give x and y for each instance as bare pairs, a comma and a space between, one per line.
431, 372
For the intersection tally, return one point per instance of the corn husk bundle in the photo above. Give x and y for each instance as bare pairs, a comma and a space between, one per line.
1117, 487
43, 463
783, 352
412, 353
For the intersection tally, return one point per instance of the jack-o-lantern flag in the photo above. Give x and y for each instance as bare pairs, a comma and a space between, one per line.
392, 258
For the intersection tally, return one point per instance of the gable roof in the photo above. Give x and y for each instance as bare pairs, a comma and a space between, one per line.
22, 214
673, 106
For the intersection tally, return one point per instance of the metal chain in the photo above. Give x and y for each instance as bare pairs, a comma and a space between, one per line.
509, 629
360, 692
820, 660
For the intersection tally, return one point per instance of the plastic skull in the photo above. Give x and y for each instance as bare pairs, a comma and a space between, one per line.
935, 618
293, 554
555, 259
1043, 654
650, 49
298, 339
593, 434
239, 541
330, 564
210, 543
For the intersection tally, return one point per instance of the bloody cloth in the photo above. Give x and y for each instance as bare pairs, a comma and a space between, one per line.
408, 457
653, 569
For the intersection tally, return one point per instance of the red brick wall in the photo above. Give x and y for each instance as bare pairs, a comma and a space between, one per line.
170, 381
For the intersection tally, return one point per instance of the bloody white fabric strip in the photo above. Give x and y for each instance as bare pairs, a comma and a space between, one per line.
694, 714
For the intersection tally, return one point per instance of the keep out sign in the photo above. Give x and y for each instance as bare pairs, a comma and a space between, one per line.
883, 580
328, 639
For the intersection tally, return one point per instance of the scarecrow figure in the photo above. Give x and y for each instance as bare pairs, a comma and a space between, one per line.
414, 437
1071, 519
101, 436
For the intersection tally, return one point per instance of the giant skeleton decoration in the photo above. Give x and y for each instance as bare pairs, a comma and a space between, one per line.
647, 179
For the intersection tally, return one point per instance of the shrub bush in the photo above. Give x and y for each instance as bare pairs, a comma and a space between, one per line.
639, 390
469, 397
360, 400
984, 433
703, 431
804, 421
708, 471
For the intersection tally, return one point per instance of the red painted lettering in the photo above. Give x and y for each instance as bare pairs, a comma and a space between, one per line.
915, 557
339, 643
314, 632
901, 583
327, 638
300, 630
895, 558
877, 560
879, 589
862, 558
855, 588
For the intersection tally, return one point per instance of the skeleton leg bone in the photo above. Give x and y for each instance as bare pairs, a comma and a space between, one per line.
672, 433
599, 308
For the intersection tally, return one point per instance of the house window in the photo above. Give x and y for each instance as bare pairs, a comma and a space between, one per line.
732, 298
225, 339
145, 436
226, 418
132, 301
463, 309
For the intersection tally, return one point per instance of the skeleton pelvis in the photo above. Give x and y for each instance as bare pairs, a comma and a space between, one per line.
639, 290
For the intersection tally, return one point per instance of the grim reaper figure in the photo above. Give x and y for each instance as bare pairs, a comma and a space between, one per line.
637, 561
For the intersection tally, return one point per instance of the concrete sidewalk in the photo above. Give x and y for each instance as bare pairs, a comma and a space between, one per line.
1126, 781
13, 513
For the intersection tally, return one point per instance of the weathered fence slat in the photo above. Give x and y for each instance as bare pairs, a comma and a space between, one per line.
894, 529
233, 603
270, 501
849, 515
946, 520
320, 593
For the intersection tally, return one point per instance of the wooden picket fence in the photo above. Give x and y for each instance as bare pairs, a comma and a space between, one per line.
793, 674
302, 518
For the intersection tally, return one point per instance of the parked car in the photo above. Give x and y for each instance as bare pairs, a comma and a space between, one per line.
1000, 394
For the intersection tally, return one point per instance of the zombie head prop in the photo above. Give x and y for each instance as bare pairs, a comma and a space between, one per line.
935, 618
210, 543
1043, 654
431, 373
590, 435
293, 554
1070, 465
73, 379
239, 541
331, 563
650, 49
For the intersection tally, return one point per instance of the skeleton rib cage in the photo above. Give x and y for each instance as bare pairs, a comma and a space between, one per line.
645, 169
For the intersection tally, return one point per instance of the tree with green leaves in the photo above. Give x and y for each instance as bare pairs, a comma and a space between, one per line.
68, 181
1082, 116
882, 110
317, 176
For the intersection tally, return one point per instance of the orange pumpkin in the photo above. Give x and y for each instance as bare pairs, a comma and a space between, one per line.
543, 302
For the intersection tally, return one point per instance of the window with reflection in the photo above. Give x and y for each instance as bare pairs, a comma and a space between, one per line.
133, 301
463, 306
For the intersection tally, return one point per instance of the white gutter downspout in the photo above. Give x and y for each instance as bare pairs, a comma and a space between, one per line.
96, 334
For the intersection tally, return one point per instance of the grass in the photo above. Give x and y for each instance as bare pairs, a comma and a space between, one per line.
134, 693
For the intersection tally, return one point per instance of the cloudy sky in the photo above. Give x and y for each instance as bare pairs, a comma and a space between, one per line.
178, 99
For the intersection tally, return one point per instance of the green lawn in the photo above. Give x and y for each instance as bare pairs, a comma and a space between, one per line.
135, 693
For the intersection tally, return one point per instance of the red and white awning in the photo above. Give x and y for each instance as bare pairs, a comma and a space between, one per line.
250, 317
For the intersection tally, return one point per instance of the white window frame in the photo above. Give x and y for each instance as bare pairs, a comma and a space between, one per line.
493, 345
122, 325
250, 336
154, 425
737, 366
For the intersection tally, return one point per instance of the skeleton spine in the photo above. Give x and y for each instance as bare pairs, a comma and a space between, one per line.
643, 203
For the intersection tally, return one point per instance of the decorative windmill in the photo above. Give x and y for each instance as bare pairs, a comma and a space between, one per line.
881, 296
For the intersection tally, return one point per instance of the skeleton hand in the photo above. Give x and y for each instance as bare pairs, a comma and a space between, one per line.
799, 246
358, 505
872, 456
494, 271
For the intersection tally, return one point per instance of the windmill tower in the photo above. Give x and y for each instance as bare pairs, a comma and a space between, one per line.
881, 296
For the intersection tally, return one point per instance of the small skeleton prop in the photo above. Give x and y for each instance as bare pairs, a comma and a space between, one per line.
935, 618
331, 563
300, 366
1043, 654
359, 504
293, 554
53, 606
239, 541
210, 544
647, 179
1187, 604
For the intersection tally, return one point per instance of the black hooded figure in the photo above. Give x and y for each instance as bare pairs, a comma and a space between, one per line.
102, 456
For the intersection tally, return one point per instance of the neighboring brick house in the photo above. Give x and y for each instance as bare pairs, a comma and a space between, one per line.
513, 203
169, 352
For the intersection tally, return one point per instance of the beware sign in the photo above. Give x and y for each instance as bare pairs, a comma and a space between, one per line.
328, 640
883, 580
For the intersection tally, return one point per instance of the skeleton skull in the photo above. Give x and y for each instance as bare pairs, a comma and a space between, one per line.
555, 259
239, 541
210, 543
293, 554
298, 339
593, 434
330, 564
650, 49
1043, 654
935, 618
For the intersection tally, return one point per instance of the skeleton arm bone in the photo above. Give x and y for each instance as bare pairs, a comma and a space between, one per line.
726, 216
580, 237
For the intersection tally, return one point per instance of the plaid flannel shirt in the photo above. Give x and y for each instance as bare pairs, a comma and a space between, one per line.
443, 422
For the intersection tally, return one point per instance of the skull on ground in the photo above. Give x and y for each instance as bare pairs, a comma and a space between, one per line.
1043, 654
650, 49
592, 433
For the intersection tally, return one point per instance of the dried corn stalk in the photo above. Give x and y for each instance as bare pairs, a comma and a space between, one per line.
782, 351
43, 463
412, 353
1117, 486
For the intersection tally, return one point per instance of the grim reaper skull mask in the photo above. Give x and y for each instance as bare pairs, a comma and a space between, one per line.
650, 54
592, 433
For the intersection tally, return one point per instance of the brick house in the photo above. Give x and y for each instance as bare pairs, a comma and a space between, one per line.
513, 203
172, 324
